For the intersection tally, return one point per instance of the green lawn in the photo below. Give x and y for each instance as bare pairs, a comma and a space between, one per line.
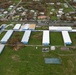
36, 38
16, 1
10, 27
56, 38
2, 34
29, 61
73, 38
42, 28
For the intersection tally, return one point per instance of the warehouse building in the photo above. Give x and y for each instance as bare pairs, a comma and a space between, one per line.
26, 37
58, 28
45, 40
1, 48
66, 37
6, 36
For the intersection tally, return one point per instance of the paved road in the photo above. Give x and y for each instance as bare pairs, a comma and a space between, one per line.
69, 5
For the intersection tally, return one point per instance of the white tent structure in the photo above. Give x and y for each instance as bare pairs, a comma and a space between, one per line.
66, 37
45, 40
58, 28
6, 36
26, 37
26, 27
1, 48
17, 27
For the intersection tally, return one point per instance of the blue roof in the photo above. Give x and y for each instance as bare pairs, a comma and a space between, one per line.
52, 61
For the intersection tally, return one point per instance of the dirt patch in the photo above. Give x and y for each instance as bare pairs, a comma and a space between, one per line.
16, 58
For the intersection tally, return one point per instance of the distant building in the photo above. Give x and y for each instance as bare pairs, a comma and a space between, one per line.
74, 0
36, 0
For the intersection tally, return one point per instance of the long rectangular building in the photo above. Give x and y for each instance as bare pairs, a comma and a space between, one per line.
58, 28
17, 27
6, 36
1, 48
66, 37
46, 40
26, 37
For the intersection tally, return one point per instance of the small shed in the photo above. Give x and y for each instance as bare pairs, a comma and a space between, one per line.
17, 27
26, 26
32, 26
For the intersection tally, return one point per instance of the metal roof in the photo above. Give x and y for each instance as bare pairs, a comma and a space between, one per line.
26, 36
17, 26
1, 48
26, 26
46, 39
7, 36
58, 28
66, 37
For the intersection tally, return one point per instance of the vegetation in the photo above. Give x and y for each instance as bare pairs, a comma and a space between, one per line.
2, 34
29, 61
56, 38
42, 28
36, 38
15, 40
73, 38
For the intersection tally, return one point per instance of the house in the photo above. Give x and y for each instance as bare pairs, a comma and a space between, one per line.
74, 0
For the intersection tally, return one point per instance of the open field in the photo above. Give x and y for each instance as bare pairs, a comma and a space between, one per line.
2, 34
73, 38
19, 59
36, 38
16, 1
29, 61
42, 28
56, 38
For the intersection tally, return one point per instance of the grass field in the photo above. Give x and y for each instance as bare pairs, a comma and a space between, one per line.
2, 34
36, 38
73, 38
56, 38
42, 28
29, 61
9, 27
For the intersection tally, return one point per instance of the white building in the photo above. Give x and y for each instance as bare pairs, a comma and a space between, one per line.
58, 28
26, 37
1, 48
6, 36
66, 37
26, 26
17, 27
45, 39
